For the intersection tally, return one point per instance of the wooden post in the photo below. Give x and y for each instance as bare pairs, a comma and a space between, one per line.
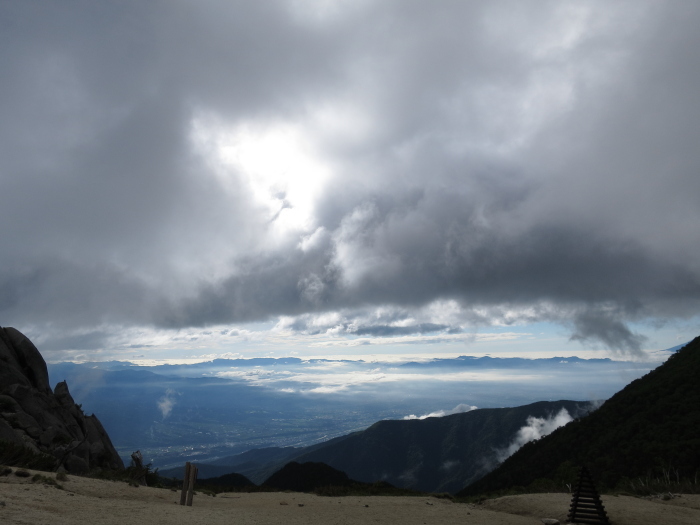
185, 482
190, 488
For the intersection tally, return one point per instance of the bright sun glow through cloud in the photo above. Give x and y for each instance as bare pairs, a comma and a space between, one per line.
275, 161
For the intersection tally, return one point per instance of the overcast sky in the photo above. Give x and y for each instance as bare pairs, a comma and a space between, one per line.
320, 173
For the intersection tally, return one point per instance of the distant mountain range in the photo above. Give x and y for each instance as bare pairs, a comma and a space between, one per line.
650, 428
437, 454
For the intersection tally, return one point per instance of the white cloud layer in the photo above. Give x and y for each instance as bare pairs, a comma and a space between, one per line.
167, 402
536, 428
440, 413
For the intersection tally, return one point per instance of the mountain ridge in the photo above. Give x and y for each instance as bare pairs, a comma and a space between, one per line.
436, 454
648, 427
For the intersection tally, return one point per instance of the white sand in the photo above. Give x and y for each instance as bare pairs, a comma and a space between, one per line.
85, 500
622, 510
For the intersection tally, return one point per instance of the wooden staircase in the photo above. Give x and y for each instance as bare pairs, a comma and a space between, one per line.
586, 506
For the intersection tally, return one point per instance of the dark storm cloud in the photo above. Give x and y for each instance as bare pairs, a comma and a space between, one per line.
607, 330
80, 341
530, 160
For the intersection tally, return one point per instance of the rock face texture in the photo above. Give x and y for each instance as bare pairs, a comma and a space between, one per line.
46, 421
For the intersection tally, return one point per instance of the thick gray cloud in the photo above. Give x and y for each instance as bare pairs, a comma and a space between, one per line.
530, 161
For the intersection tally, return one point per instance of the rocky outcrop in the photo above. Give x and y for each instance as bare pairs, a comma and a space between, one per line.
43, 420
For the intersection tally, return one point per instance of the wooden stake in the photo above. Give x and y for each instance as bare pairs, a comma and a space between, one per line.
185, 482
190, 488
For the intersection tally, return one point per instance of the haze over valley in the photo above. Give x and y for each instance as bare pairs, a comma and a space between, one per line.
205, 411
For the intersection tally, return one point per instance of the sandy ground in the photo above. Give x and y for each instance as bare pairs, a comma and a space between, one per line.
622, 510
85, 500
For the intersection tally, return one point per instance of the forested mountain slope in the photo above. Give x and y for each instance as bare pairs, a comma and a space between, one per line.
651, 426
437, 454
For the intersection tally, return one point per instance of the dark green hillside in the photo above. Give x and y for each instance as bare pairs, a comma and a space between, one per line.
324, 480
232, 480
650, 427
306, 477
439, 454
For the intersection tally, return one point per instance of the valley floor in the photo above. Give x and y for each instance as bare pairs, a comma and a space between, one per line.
85, 500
